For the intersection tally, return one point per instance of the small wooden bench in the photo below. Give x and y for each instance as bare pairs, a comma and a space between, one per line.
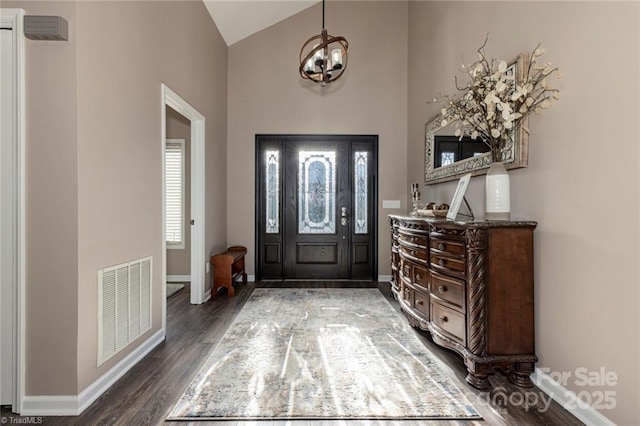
226, 267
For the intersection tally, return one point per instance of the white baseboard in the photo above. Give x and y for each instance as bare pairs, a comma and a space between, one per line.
74, 405
187, 278
50, 405
568, 400
384, 278
250, 278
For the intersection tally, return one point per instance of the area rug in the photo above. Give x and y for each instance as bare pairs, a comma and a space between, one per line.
173, 289
321, 354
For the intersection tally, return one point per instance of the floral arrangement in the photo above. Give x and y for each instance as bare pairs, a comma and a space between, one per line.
494, 101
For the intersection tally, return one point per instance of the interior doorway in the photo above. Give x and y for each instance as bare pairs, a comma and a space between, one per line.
178, 200
196, 159
316, 207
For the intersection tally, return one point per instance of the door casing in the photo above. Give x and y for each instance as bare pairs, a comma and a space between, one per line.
15, 262
198, 260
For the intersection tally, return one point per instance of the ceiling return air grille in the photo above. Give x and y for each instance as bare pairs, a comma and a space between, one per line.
124, 305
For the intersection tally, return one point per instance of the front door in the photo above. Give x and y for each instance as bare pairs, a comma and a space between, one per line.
316, 207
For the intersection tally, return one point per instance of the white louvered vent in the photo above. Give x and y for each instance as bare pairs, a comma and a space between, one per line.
124, 305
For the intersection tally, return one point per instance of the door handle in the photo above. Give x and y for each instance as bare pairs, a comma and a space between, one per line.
343, 216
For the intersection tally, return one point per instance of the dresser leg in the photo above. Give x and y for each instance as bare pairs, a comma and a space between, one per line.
520, 374
478, 380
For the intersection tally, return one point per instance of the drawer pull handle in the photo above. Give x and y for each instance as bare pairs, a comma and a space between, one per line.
442, 289
443, 319
413, 239
418, 277
420, 302
441, 262
440, 246
413, 252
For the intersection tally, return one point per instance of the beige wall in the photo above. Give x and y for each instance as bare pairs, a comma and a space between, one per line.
125, 51
179, 260
267, 95
583, 156
51, 208
94, 165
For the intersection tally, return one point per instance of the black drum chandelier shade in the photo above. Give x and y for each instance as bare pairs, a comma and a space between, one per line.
323, 58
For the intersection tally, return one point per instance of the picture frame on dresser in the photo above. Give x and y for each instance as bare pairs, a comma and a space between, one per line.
458, 196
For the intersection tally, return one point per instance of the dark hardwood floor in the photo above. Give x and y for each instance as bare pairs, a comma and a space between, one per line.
146, 394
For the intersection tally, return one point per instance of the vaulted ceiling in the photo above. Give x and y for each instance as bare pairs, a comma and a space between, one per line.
238, 19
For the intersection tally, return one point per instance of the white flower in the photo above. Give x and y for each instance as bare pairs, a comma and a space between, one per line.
493, 102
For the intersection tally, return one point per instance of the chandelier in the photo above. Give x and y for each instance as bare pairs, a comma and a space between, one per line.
323, 58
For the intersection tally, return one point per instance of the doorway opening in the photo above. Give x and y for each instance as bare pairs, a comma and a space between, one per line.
171, 100
178, 201
316, 207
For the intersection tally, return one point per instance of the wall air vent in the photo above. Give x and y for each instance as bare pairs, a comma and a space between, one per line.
46, 28
124, 305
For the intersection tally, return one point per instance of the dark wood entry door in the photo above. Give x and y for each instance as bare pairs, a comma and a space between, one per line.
316, 207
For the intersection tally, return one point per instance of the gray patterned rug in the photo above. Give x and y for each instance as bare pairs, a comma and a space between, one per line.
321, 354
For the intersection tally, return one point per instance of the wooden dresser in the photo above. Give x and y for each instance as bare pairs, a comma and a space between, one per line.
470, 284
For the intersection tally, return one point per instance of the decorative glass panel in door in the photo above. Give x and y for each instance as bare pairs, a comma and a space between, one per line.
272, 172
317, 192
361, 194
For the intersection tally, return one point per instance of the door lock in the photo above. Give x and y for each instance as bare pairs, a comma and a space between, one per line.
343, 216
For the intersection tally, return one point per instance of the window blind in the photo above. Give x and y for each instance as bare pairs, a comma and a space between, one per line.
174, 193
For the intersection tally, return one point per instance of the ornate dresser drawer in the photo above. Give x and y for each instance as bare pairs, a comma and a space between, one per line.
448, 265
411, 238
421, 302
447, 254
413, 253
450, 248
421, 277
449, 322
447, 289
408, 293
412, 245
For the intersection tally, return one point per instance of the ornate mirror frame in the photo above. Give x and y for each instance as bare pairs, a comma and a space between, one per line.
515, 155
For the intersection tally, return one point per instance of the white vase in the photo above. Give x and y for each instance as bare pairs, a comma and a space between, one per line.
497, 193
